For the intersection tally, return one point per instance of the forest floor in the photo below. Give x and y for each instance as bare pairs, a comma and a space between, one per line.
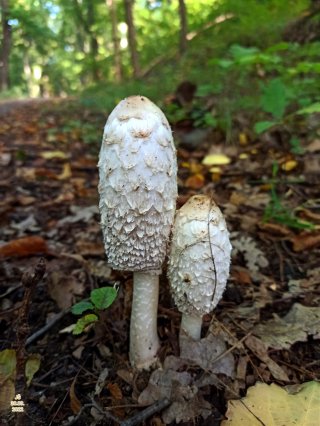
265, 330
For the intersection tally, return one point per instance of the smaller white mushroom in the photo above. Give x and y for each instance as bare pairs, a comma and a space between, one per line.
199, 261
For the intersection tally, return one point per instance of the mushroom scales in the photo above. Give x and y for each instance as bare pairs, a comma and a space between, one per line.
138, 191
199, 261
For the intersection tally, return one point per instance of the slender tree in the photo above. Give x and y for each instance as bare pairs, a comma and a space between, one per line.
128, 6
111, 5
183, 26
5, 45
86, 18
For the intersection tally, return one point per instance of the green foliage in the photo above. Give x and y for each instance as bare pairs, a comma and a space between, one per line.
103, 297
278, 212
274, 98
100, 299
262, 126
80, 307
83, 322
295, 146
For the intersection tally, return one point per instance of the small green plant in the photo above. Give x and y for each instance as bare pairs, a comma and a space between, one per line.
100, 299
277, 212
295, 146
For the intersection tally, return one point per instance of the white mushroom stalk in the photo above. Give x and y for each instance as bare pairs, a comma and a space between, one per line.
138, 191
199, 262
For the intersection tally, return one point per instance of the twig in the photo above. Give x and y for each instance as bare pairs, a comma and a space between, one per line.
29, 281
46, 327
144, 414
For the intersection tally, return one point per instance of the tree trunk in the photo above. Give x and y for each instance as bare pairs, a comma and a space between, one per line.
5, 45
115, 40
93, 41
183, 27
128, 5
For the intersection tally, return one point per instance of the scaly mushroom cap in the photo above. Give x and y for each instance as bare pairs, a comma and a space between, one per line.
138, 185
197, 273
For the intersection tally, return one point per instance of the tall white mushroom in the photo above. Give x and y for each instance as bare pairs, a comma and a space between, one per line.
138, 191
199, 261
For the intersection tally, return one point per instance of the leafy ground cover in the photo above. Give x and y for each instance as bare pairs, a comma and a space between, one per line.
266, 329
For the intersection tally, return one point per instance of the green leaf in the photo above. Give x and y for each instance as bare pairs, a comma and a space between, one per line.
7, 364
83, 322
311, 109
274, 99
262, 126
7, 378
103, 297
32, 366
81, 307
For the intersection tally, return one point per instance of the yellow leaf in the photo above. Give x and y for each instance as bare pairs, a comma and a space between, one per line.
243, 139
289, 165
49, 155
66, 172
185, 165
243, 156
32, 366
272, 405
196, 167
216, 160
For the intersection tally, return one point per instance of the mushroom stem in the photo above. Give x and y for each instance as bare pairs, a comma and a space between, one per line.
190, 326
144, 340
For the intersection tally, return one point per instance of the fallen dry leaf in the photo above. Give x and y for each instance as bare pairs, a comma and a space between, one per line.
241, 275
289, 165
299, 323
75, 404
26, 246
314, 146
196, 181
216, 160
205, 352
162, 383
50, 155
115, 390
63, 288
260, 350
187, 410
66, 172
271, 405
305, 241
275, 229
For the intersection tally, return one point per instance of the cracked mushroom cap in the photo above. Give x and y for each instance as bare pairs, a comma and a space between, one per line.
138, 185
197, 273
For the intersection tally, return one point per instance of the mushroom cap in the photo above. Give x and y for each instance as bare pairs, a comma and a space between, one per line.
138, 185
197, 272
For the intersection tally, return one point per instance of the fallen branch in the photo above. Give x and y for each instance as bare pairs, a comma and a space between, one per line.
46, 327
144, 414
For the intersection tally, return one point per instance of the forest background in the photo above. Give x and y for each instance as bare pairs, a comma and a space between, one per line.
257, 56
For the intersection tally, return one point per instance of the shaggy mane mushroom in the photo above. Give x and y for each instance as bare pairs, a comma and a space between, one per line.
138, 191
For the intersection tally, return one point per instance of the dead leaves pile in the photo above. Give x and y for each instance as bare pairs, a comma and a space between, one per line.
266, 328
